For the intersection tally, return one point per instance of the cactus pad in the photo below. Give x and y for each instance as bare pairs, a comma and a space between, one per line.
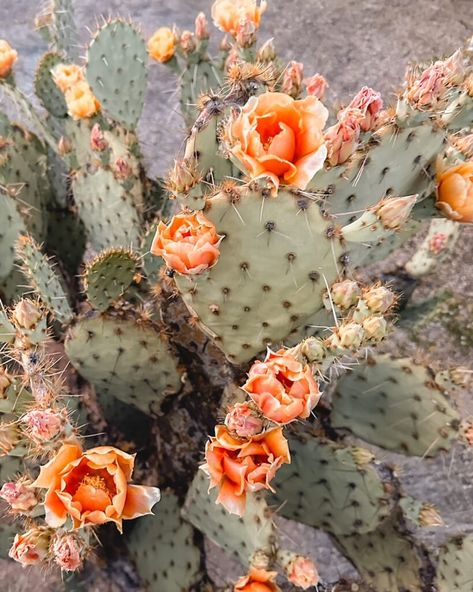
66, 238
108, 276
163, 549
239, 536
125, 359
396, 404
116, 71
455, 565
12, 225
45, 87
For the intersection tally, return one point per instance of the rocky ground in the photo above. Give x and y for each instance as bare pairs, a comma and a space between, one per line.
352, 43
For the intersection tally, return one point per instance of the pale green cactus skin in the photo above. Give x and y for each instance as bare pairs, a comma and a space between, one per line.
454, 565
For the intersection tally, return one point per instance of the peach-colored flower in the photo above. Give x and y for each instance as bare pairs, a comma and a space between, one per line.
228, 15
455, 192
282, 387
302, 572
188, 244
258, 580
292, 79
316, 85
237, 465
81, 101
279, 137
43, 424
67, 552
92, 487
162, 45
342, 139
31, 547
244, 421
8, 57
365, 106
67, 75
19, 495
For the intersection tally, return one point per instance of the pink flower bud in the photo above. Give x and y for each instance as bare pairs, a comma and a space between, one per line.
246, 33
26, 314
97, 139
345, 294
67, 552
64, 146
379, 299
43, 424
267, 52
244, 421
393, 212
31, 547
201, 27
342, 139
187, 42
302, 572
366, 105
316, 86
122, 168
19, 496
438, 242
292, 80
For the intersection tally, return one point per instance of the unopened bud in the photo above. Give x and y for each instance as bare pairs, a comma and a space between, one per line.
43, 424
19, 495
393, 212
98, 143
201, 27
246, 33
313, 349
68, 550
379, 299
122, 168
225, 44
316, 86
375, 328
267, 52
244, 420
345, 294
187, 42
26, 314
183, 176
299, 570
348, 336
64, 146
292, 80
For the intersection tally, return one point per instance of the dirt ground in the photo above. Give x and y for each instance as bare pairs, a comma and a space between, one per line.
351, 42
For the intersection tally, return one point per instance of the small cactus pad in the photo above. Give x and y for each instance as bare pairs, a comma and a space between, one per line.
123, 358
239, 536
163, 549
45, 87
333, 487
12, 225
45, 280
116, 71
108, 275
396, 404
455, 565
387, 559
276, 256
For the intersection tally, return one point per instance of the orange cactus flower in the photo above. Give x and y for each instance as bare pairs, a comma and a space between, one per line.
302, 572
8, 57
81, 101
280, 138
228, 15
282, 387
237, 465
258, 580
162, 45
92, 487
188, 244
455, 192
67, 75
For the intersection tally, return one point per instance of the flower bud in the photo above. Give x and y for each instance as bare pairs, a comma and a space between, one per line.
187, 42
67, 550
313, 349
366, 105
375, 328
43, 424
316, 86
345, 294
98, 143
342, 139
301, 572
292, 80
201, 27
267, 52
379, 299
64, 146
183, 176
9, 437
246, 33
122, 168
225, 44
26, 314
347, 336
31, 547
393, 212
19, 495
244, 420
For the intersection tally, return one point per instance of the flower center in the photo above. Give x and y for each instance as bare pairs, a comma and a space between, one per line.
93, 493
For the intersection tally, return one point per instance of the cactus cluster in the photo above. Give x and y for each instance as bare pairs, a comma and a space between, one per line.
163, 293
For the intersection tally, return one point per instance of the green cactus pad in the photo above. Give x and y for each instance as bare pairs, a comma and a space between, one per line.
116, 71
108, 275
45, 87
124, 358
151, 264
396, 404
10, 467
12, 225
66, 238
455, 565
240, 537
275, 260
387, 560
197, 78
325, 487
7, 330
163, 549
16, 399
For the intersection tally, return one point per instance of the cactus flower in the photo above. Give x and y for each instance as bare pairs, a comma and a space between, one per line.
81, 101
283, 388
316, 85
43, 425
365, 106
66, 76
342, 139
8, 57
19, 495
244, 421
228, 15
67, 551
237, 465
162, 45
31, 547
302, 572
455, 192
278, 137
92, 487
258, 580
188, 244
